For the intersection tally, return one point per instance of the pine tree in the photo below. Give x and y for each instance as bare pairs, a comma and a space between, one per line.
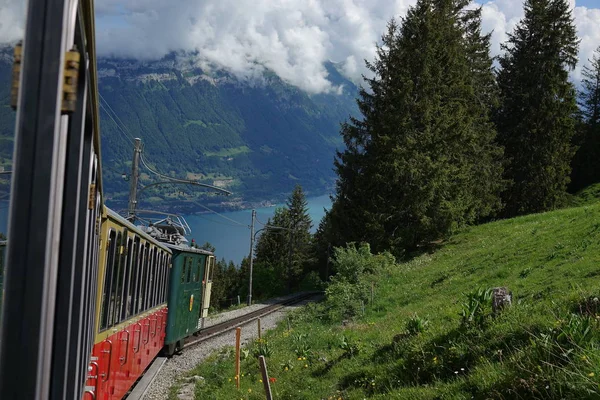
422, 160
586, 164
285, 253
536, 119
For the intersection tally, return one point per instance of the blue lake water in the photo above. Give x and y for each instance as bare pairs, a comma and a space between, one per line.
229, 235
231, 240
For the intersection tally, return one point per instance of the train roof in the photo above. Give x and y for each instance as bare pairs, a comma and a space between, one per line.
123, 221
189, 249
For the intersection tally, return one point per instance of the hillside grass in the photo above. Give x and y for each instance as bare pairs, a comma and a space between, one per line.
410, 342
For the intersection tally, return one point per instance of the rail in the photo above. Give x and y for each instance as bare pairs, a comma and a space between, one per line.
141, 387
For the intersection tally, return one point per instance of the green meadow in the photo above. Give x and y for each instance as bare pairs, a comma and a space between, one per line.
430, 333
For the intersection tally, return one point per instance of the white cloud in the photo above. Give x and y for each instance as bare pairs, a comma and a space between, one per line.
12, 17
291, 37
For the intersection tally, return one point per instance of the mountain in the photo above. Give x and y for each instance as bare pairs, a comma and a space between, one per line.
257, 138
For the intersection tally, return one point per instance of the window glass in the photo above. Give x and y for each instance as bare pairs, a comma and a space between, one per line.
134, 277
183, 269
148, 291
211, 262
198, 267
108, 273
189, 269
125, 299
142, 291
164, 278
169, 259
114, 282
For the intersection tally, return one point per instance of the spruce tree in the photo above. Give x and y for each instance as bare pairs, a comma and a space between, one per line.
286, 253
586, 164
536, 119
422, 160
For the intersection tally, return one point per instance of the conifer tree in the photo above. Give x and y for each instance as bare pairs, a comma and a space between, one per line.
536, 119
286, 253
586, 164
422, 160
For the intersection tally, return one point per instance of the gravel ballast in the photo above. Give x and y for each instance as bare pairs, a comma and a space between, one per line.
179, 365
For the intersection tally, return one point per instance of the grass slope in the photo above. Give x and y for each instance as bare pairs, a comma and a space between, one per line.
544, 346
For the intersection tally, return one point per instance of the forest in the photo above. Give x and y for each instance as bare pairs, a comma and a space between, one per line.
448, 137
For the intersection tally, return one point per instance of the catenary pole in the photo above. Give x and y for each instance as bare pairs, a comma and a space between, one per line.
251, 256
135, 174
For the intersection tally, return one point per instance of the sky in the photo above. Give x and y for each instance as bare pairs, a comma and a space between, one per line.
294, 38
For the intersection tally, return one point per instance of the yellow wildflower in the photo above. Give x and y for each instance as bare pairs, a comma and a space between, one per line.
249, 390
305, 365
591, 374
286, 368
299, 358
260, 380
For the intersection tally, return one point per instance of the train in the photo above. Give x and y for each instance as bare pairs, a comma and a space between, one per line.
153, 292
88, 298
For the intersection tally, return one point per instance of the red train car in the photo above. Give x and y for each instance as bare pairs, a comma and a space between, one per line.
132, 307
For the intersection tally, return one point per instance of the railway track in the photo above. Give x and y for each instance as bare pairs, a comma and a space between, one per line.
140, 389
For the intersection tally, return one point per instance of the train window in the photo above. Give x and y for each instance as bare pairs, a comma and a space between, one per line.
142, 291
183, 272
123, 260
125, 298
150, 277
211, 268
154, 277
134, 277
189, 269
108, 273
163, 281
159, 257
198, 268
155, 268
117, 264
169, 259
159, 277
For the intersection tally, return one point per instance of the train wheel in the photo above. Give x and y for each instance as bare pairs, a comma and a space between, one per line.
169, 349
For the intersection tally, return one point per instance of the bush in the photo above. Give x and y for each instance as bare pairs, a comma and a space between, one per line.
356, 268
416, 325
475, 311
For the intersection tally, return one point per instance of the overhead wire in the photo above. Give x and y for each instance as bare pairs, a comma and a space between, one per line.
220, 215
271, 226
117, 124
122, 125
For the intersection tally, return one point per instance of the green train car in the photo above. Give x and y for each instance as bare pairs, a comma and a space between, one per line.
190, 284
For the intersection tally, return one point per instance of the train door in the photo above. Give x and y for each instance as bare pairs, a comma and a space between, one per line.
195, 294
187, 299
208, 276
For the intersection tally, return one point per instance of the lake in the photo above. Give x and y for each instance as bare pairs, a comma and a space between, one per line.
229, 232
232, 239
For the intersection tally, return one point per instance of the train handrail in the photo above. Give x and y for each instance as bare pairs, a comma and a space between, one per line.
154, 332
107, 375
123, 360
95, 378
148, 337
140, 340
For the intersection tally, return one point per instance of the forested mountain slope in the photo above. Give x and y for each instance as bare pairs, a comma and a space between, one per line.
257, 138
